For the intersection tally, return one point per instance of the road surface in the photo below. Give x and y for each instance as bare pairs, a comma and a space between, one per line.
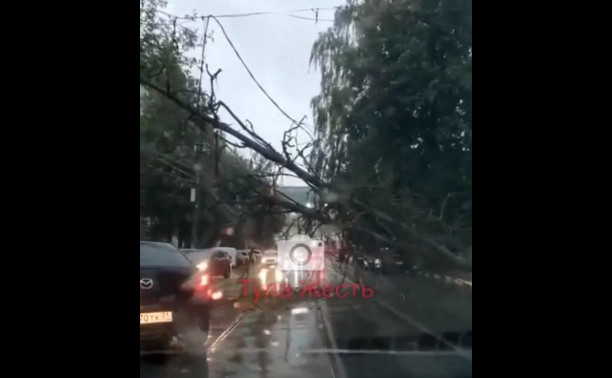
402, 331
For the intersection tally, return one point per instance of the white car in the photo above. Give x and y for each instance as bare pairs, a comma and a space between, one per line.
270, 257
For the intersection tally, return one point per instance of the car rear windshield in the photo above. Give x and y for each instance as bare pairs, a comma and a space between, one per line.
161, 255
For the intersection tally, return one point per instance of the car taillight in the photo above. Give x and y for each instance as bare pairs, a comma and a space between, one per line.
202, 282
198, 282
217, 295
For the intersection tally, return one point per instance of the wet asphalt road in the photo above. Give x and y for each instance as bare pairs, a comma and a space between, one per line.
404, 332
393, 334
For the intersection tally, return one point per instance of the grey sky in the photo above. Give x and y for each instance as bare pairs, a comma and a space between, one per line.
277, 50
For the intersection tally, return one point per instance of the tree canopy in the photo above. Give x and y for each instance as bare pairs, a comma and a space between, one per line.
394, 118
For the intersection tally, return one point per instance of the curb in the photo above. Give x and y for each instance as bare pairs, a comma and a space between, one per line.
435, 276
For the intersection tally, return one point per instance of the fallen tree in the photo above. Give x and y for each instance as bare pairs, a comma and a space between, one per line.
367, 205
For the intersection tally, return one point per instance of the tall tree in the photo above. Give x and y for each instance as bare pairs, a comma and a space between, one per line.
394, 117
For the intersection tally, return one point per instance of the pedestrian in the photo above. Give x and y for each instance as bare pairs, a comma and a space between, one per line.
248, 264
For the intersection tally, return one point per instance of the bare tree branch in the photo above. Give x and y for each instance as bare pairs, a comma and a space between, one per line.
205, 121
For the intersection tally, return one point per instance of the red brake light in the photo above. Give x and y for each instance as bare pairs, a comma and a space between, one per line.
197, 282
203, 282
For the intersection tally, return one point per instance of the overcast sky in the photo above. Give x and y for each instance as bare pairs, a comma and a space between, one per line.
277, 50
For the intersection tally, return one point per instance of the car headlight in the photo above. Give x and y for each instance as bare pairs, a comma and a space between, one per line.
377, 262
202, 266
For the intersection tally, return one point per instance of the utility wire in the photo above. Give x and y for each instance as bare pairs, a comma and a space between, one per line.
207, 18
249, 70
251, 74
237, 15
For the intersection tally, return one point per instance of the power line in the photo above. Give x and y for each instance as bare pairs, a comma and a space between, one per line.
207, 18
237, 15
251, 73
310, 18
187, 19
263, 12
317, 9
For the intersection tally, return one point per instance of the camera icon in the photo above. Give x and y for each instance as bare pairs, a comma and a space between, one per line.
301, 253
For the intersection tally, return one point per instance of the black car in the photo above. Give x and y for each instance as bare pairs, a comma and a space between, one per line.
220, 264
175, 298
216, 263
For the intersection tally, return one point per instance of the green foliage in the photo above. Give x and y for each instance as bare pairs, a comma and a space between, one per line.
227, 190
395, 114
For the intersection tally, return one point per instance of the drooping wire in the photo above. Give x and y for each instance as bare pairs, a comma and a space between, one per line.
249, 70
253, 76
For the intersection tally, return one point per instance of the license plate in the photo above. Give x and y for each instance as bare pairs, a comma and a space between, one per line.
399, 262
156, 317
